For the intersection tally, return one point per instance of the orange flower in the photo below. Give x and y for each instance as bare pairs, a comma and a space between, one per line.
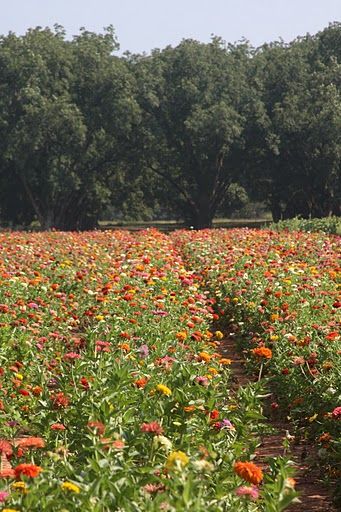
125, 347
30, 442
108, 443
141, 383
181, 336
249, 472
226, 361
5, 448
204, 356
189, 408
7, 473
30, 470
262, 352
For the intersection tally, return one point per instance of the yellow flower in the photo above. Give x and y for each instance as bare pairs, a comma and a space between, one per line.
219, 335
9, 510
69, 486
177, 460
19, 376
20, 486
163, 389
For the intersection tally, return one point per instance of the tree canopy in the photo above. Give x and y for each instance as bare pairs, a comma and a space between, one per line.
187, 131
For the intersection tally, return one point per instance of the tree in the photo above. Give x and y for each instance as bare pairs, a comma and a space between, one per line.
67, 109
196, 101
298, 171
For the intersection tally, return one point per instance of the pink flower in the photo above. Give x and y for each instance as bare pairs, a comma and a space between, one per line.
71, 355
251, 492
144, 351
337, 413
153, 427
102, 346
154, 488
225, 423
203, 381
3, 496
33, 305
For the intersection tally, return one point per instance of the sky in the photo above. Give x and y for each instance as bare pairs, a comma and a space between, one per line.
142, 25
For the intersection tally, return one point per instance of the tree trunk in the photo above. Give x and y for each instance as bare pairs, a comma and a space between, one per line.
276, 212
204, 215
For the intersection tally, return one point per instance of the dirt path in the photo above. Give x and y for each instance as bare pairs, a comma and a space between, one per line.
314, 496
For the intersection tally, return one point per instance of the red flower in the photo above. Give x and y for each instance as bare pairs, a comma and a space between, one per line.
58, 426
84, 383
214, 414
29, 470
60, 400
24, 392
153, 427
97, 426
141, 383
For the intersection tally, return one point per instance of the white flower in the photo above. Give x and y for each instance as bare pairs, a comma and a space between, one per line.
162, 442
203, 465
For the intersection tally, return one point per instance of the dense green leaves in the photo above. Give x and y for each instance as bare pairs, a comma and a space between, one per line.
186, 132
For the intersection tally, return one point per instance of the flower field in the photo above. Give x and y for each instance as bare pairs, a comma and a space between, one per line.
113, 392
280, 295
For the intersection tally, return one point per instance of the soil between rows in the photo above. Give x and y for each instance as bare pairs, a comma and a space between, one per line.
314, 495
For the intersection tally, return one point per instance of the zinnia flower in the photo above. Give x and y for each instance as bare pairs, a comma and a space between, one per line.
5, 448
60, 400
144, 351
153, 427
69, 486
141, 383
19, 486
29, 470
30, 442
3, 496
251, 492
336, 414
263, 352
249, 472
58, 426
97, 426
177, 460
203, 381
163, 389
154, 488
225, 423
162, 442
7, 472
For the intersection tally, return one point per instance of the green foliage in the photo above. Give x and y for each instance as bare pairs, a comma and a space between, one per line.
197, 101
188, 132
331, 225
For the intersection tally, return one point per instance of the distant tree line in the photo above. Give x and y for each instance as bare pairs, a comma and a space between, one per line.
188, 132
